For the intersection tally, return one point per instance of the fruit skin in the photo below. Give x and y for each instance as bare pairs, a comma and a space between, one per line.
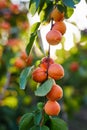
39, 75
56, 15
19, 63
23, 55
59, 26
56, 93
53, 37
56, 71
29, 60
46, 62
14, 8
5, 25
3, 4
74, 66
52, 108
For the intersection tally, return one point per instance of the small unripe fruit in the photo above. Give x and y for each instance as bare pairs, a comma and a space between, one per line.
56, 71
53, 37
46, 62
56, 93
52, 108
39, 75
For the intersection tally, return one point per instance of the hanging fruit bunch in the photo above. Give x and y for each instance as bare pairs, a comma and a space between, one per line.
48, 68
54, 36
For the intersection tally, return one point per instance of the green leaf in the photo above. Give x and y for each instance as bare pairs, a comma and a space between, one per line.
61, 8
26, 121
34, 27
39, 42
69, 3
37, 117
44, 88
41, 4
45, 13
68, 12
58, 124
33, 6
76, 1
86, 1
24, 76
30, 44
40, 128
40, 105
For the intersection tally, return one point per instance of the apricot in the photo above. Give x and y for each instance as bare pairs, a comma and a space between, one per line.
46, 62
59, 26
23, 55
3, 4
56, 93
14, 8
39, 75
74, 66
56, 71
56, 15
53, 37
29, 60
52, 108
5, 25
19, 63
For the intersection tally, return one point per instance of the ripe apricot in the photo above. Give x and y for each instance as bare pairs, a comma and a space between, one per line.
53, 37
5, 25
19, 63
74, 66
52, 108
46, 62
3, 4
59, 26
29, 60
39, 75
23, 55
56, 15
56, 71
56, 93
14, 8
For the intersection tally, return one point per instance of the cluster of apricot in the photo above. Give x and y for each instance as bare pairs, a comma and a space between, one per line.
49, 69
58, 29
23, 61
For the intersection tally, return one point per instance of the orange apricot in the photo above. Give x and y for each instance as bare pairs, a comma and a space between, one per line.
74, 66
19, 63
52, 108
56, 15
23, 55
46, 62
39, 75
55, 71
29, 60
59, 26
56, 93
53, 37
